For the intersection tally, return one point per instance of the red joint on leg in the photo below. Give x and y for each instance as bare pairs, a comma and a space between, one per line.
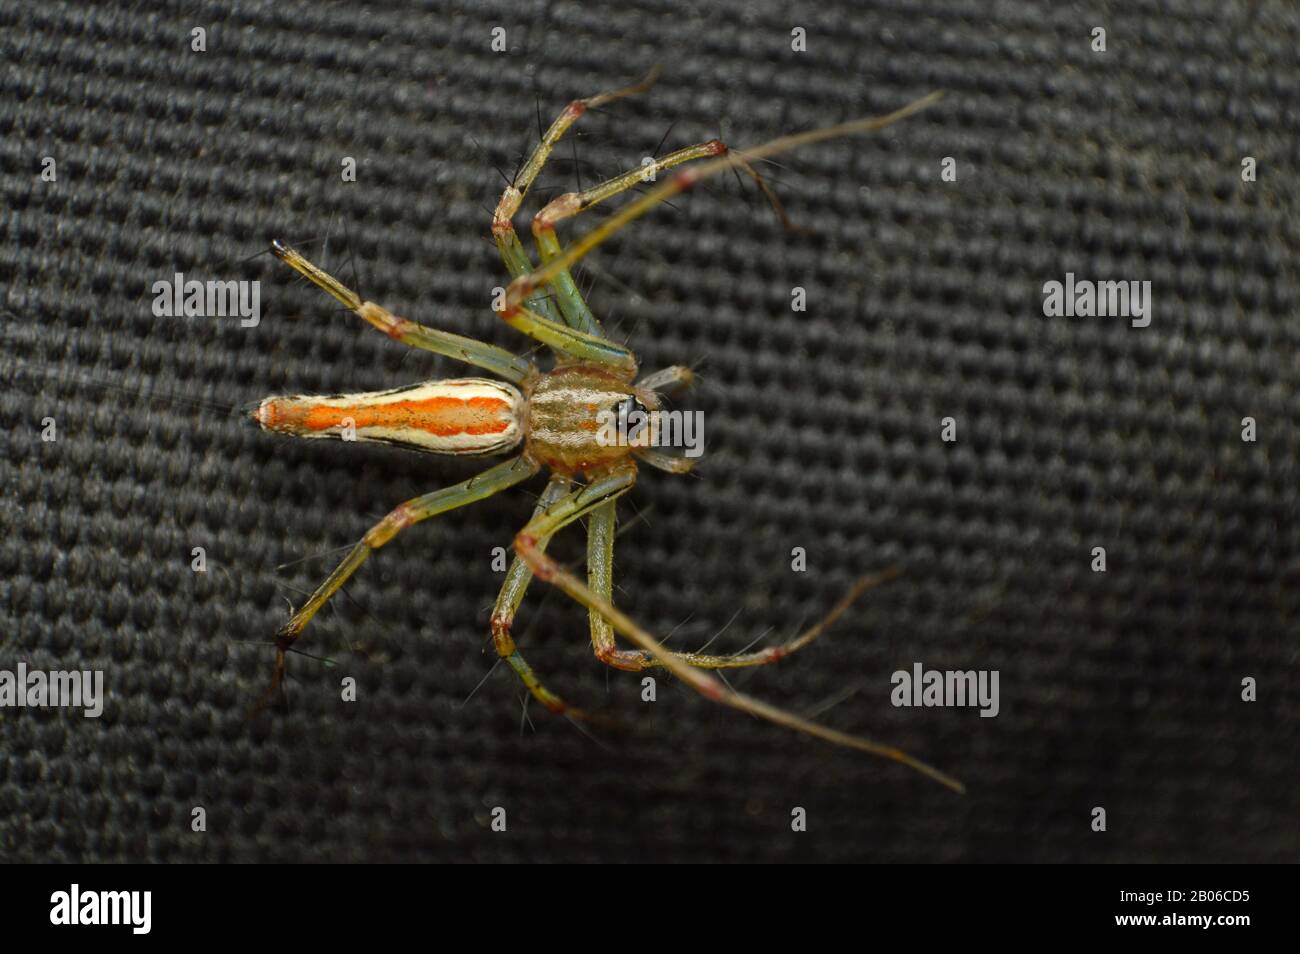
635, 662
712, 688
505, 211
516, 292
401, 518
685, 179
526, 547
554, 704
617, 659
775, 653
561, 207
716, 147
400, 328
576, 108
501, 638
392, 325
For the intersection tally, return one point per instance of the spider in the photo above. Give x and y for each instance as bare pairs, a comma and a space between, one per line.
555, 416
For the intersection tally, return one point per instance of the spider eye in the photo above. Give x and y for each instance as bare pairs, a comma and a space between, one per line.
625, 407
633, 416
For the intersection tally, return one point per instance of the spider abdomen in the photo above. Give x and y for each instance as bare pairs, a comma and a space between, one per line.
457, 416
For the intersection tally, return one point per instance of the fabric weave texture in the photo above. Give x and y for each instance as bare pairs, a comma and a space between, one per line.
1119, 689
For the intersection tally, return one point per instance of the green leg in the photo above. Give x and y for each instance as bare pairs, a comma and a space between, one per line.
575, 309
572, 304
589, 499
522, 288
497, 360
635, 660
576, 314
512, 594
601, 527
477, 488
518, 263
580, 345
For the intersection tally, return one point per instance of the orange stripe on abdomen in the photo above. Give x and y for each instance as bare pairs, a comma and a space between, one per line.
460, 416
440, 416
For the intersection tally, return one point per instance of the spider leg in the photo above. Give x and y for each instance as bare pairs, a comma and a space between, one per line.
481, 354
601, 527
502, 226
600, 563
516, 260
477, 488
518, 263
523, 287
636, 660
668, 379
578, 335
580, 345
588, 499
522, 311
562, 207
507, 605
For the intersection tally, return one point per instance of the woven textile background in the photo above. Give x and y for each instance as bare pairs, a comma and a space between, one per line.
1118, 689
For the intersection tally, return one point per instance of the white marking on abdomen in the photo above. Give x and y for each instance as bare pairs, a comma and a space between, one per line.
457, 416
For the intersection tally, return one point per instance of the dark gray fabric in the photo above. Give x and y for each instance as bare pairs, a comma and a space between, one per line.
1119, 689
